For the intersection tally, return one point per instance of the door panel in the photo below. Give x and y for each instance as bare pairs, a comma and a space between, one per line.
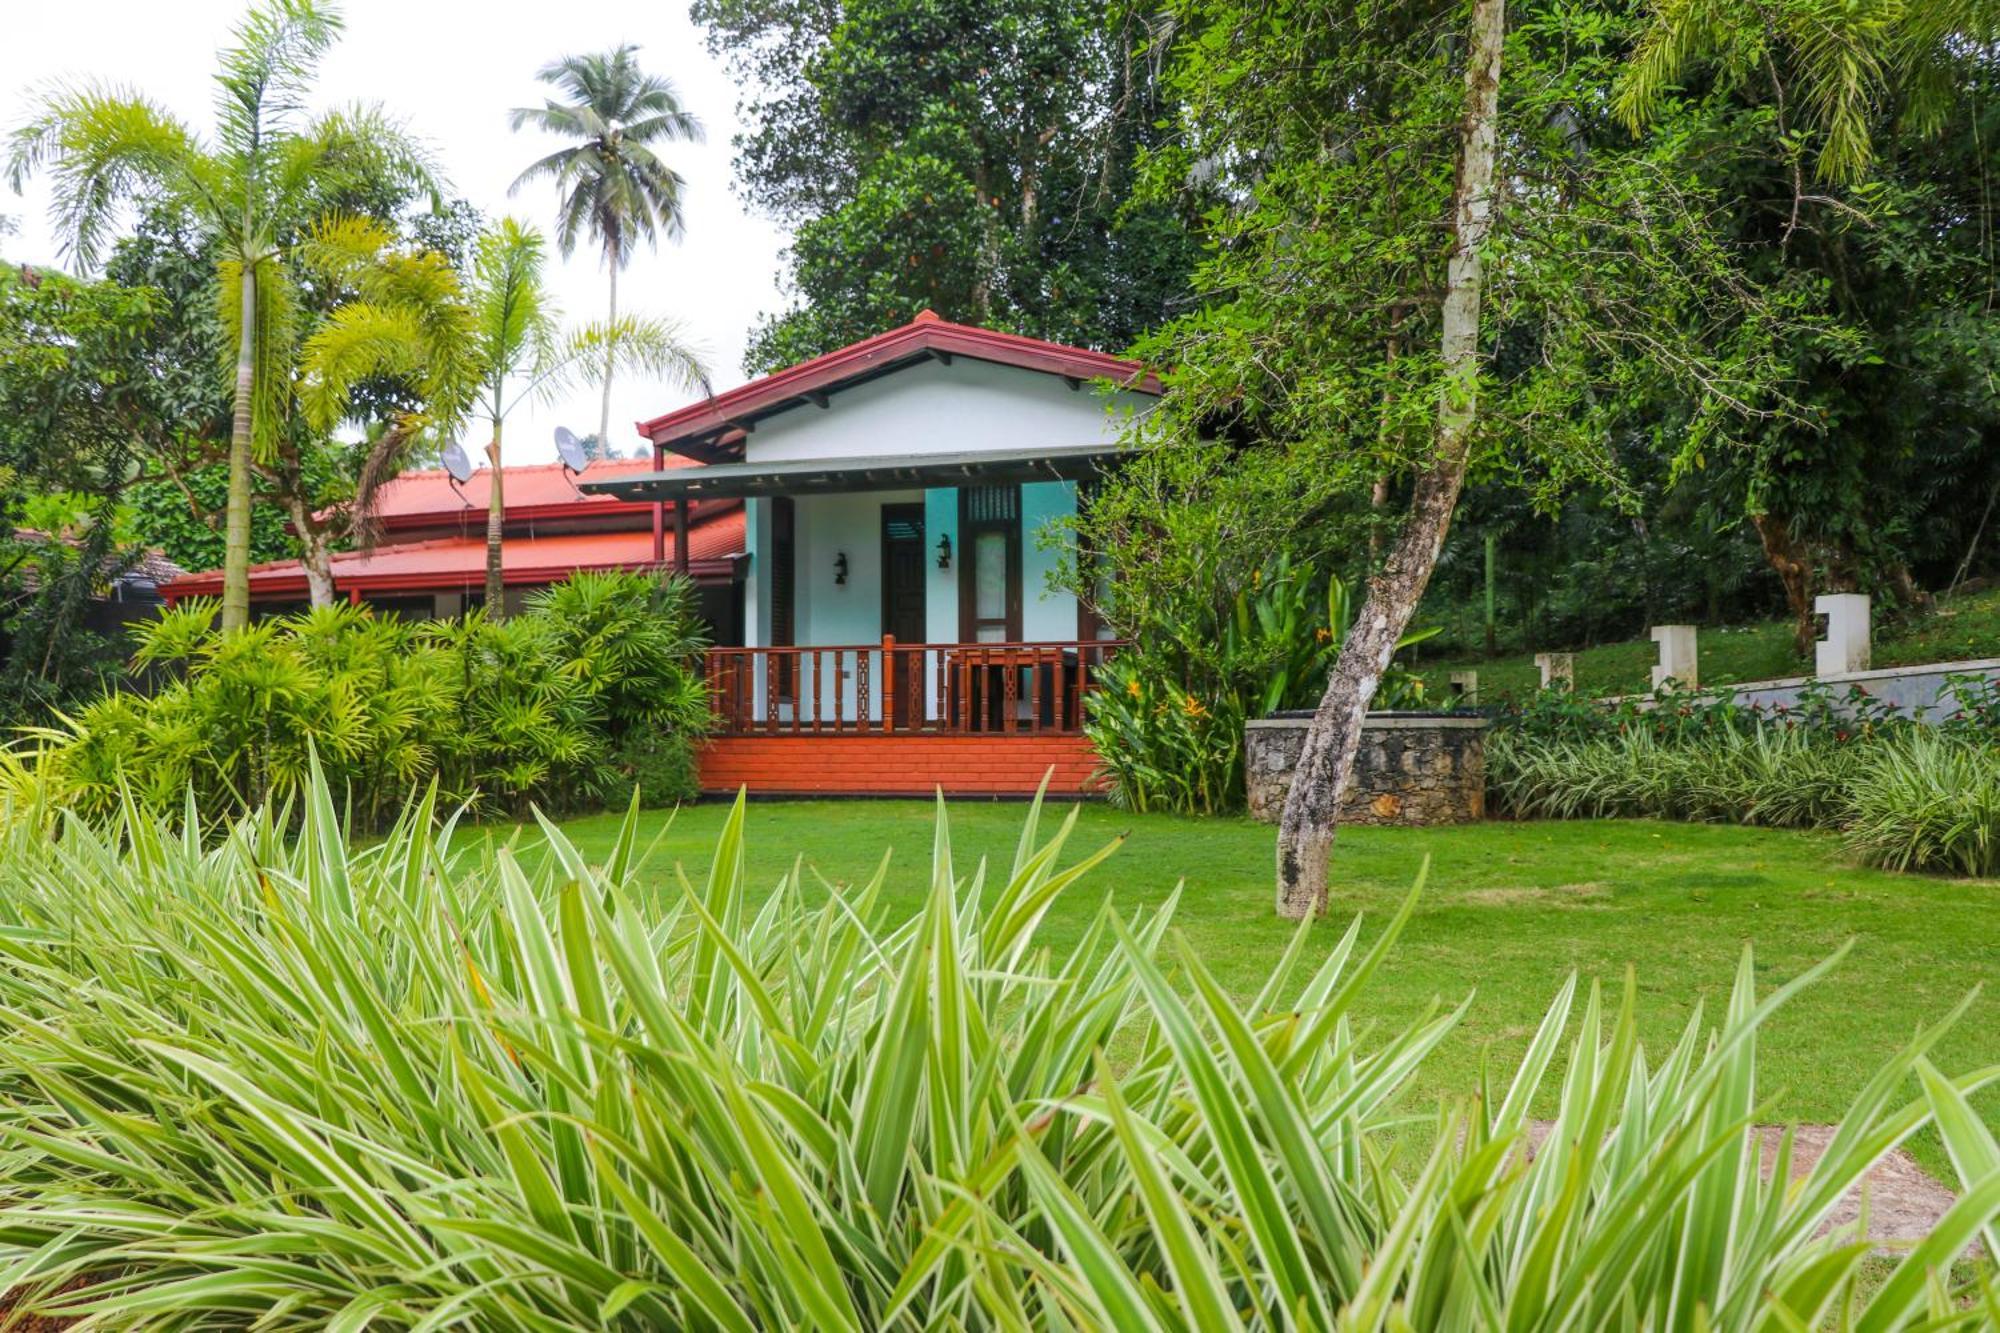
903, 610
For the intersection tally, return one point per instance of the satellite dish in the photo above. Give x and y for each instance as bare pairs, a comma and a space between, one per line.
570, 449
456, 464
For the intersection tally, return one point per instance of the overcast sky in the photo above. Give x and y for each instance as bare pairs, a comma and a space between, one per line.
451, 71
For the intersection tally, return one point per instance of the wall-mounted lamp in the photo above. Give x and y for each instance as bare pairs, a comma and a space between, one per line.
944, 551
840, 569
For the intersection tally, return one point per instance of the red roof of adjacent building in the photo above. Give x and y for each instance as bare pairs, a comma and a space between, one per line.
925, 336
449, 564
543, 490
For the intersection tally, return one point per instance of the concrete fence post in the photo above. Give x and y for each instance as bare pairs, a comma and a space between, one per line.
1465, 688
1677, 656
1845, 648
1557, 667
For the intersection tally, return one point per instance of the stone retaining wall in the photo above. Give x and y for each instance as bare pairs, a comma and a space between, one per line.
1413, 768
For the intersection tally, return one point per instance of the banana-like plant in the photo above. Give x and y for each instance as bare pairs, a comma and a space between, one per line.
429, 1083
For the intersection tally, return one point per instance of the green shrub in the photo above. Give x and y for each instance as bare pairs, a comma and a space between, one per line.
272, 1079
1906, 798
1927, 802
1167, 722
1160, 747
595, 688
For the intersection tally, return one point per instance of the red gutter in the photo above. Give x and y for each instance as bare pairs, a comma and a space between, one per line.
204, 585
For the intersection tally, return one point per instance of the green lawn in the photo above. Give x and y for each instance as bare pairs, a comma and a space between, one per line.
1968, 627
1510, 910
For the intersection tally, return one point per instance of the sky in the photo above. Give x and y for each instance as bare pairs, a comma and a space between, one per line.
450, 72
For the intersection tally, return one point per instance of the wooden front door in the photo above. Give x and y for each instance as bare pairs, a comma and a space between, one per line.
903, 577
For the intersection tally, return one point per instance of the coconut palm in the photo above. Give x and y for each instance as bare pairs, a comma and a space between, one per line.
255, 187
612, 183
523, 353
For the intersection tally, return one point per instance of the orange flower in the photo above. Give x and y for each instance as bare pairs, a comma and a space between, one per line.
1132, 687
1192, 707
1323, 634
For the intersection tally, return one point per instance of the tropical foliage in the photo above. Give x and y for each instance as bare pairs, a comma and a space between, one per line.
521, 353
430, 1081
977, 160
557, 707
1167, 718
1904, 795
614, 186
83, 402
256, 188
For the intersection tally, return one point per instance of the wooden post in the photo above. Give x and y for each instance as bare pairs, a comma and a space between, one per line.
681, 536
888, 683
659, 510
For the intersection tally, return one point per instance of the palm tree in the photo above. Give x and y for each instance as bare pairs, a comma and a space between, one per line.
1840, 67
405, 319
269, 171
522, 353
612, 184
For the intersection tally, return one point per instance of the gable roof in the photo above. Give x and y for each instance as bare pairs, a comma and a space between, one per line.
712, 430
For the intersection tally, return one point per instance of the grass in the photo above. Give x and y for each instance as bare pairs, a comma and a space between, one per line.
1968, 627
1510, 910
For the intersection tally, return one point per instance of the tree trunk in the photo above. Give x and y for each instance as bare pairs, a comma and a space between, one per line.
315, 555
236, 518
1793, 562
1326, 762
496, 525
610, 354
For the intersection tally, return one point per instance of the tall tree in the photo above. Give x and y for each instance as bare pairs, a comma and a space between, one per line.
1417, 272
976, 158
256, 187
613, 184
1858, 145
522, 353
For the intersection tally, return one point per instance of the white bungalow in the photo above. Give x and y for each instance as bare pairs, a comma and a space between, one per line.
901, 498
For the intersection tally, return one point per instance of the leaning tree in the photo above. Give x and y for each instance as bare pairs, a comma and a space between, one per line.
1438, 255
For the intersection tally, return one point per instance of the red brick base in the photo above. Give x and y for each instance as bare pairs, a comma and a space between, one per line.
897, 765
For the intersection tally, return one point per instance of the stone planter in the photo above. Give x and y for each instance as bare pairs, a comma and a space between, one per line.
1412, 769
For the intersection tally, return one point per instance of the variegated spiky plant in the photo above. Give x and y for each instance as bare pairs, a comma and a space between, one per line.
249, 1078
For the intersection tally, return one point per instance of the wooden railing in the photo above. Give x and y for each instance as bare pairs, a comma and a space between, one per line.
889, 688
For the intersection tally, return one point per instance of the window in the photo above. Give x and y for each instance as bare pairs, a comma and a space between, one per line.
989, 589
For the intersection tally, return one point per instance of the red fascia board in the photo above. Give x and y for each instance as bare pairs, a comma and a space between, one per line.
787, 388
713, 569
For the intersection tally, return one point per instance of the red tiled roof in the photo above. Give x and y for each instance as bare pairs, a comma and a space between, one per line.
926, 335
452, 564
417, 499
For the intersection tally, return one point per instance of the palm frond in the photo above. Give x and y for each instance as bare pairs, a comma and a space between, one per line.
608, 180
106, 147
264, 78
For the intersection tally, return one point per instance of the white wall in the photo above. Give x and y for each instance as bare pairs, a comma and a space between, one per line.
850, 613
932, 408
